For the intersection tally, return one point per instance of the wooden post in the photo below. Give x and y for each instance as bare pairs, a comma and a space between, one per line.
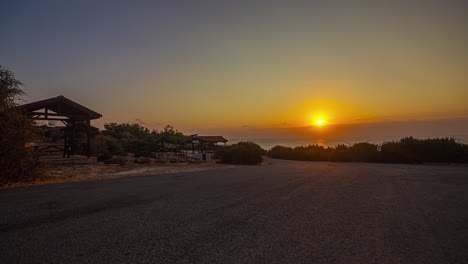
162, 145
65, 132
88, 136
69, 132
66, 142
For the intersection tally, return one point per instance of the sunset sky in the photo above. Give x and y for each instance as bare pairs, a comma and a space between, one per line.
236, 64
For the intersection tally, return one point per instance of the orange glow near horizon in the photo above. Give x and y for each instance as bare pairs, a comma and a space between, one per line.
319, 118
229, 67
321, 122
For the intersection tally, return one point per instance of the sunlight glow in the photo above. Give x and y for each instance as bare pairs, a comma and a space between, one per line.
321, 122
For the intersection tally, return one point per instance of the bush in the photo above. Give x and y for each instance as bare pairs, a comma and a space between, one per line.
140, 140
16, 128
107, 146
104, 157
145, 153
413, 150
142, 160
115, 160
364, 152
281, 152
241, 153
340, 153
407, 150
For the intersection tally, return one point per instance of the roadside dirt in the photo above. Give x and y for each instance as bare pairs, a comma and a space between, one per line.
94, 171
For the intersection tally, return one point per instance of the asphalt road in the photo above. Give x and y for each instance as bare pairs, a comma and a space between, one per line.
286, 212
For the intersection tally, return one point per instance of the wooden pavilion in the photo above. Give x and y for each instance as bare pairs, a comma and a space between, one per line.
74, 116
204, 141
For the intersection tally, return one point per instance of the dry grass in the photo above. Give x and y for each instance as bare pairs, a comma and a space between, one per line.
97, 171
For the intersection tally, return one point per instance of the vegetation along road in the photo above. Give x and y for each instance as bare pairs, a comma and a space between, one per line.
286, 212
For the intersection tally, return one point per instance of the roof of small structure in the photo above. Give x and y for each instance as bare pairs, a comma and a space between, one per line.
209, 139
62, 128
63, 106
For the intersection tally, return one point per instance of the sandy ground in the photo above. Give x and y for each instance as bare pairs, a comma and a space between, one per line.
95, 171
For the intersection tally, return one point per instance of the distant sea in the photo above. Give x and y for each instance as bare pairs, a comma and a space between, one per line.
376, 133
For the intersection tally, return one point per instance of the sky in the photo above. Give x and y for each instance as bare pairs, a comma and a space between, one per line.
230, 65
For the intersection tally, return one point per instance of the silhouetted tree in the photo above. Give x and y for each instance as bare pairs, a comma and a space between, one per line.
137, 139
16, 128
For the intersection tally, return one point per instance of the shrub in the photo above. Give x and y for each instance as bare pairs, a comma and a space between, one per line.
115, 160
137, 139
413, 150
364, 152
407, 150
144, 153
340, 153
241, 153
141, 160
104, 157
281, 152
16, 128
107, 146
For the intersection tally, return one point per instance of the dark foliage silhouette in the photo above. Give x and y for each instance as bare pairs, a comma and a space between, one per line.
16, 128
118, 139
241, 153
406, 150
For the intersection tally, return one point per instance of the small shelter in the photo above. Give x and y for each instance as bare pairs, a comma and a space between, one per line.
74, 116
204, 141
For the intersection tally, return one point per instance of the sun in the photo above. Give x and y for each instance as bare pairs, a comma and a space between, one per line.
321, 122
318, 119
